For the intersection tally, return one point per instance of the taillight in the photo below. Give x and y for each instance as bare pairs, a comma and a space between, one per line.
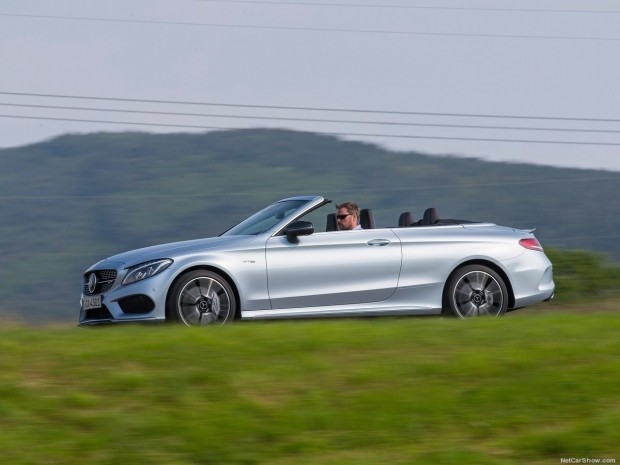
531, 243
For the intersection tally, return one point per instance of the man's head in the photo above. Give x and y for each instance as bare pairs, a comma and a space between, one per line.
348, 216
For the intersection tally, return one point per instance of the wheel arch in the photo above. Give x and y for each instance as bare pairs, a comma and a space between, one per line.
213, 269
488, 264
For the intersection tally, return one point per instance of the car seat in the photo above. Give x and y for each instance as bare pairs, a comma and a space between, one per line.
367, 219
331, 223
430, 216
405, 220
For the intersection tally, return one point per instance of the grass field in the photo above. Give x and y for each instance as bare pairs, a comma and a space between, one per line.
530, 388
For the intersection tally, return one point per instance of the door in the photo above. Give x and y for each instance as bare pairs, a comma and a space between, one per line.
333, 268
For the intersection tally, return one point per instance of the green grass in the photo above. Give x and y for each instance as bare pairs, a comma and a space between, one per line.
528, 388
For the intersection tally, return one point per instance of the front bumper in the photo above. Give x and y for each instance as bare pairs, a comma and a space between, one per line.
140, 301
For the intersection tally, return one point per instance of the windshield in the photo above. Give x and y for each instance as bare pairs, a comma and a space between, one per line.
265, 219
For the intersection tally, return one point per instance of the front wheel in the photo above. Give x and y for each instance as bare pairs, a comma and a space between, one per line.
475, 290
200, 298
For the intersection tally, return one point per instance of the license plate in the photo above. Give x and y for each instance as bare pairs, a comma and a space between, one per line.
91, 302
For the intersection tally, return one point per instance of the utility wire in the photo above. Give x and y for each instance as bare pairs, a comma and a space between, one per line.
502, 184
348, 134
311, 29
283, 107
410, 7
313, 120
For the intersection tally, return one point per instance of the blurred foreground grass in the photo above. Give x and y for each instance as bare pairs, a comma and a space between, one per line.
528, 388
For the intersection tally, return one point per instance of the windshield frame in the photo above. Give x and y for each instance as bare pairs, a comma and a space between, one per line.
274, 216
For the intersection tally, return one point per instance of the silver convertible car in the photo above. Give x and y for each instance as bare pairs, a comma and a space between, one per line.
277, 264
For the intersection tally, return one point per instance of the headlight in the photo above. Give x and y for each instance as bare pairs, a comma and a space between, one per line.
146, 270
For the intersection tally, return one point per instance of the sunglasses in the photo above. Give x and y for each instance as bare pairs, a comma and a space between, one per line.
342, 217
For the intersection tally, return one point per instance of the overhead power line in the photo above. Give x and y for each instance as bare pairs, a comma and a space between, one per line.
423, 187
348, 134
311, 29
314, 120
322, 109
410, 7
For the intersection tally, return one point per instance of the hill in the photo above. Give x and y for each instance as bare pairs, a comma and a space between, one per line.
73, 200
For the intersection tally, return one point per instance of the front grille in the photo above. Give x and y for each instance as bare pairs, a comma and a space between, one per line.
105, 280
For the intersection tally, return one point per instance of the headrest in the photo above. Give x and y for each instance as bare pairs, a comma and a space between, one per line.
331, 223
430, 216
367, 219
405, 219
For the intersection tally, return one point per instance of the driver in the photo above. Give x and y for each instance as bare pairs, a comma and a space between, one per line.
348, 217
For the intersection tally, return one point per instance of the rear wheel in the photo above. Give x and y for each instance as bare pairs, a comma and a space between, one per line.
200, 298
475, 290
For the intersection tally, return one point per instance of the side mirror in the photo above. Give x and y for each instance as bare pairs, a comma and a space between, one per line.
298, 228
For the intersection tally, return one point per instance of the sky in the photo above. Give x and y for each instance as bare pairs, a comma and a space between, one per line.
532, 81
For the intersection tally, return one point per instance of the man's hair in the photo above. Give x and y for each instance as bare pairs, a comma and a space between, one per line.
350, 207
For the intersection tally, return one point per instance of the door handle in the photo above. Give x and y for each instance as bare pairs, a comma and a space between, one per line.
378, 242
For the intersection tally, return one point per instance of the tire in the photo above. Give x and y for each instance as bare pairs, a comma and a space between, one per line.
200, 298
475, 290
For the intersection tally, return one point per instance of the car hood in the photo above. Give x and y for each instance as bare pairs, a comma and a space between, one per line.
175, 249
